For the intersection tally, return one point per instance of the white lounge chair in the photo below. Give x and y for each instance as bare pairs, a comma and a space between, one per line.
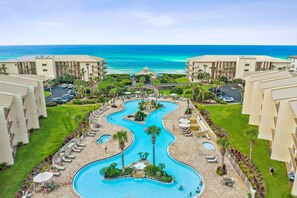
215, 160
78, 147
56, 166
76, 150
70, 156
210, 157
207, 136
80, 144
66, 160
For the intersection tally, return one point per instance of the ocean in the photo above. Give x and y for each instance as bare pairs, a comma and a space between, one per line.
159, 58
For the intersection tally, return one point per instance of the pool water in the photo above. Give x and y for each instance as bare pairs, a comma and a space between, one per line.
103, 139
208, 145
89, 183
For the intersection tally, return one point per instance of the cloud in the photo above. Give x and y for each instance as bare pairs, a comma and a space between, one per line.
160, 20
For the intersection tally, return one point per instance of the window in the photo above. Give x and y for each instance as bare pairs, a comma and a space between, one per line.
247, 65
246, 70
45, 70
44, 64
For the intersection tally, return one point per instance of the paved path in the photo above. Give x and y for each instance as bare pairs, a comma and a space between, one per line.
186, 149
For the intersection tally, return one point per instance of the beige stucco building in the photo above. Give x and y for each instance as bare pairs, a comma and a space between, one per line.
22, 103
293, 60
232, 66
270, 100
57, 66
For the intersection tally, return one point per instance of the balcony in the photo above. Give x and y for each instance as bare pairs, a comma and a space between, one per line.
293, 160
294, 139
26, 123
25, 112
104, 67
103, 62
11, 138
273, 134
105, 72
6, 113
9, 125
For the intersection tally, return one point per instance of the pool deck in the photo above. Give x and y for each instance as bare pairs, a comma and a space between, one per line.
192, 154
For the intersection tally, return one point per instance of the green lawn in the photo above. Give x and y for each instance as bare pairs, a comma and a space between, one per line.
43, 142
182, 80
230, 118
47, 93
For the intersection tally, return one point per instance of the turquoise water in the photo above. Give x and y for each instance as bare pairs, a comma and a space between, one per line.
159, 58
208, 145
103, 139
89, 183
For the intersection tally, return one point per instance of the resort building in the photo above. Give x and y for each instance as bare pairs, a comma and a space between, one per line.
56, 66
22, 103
293, 60
232, 66
270, 100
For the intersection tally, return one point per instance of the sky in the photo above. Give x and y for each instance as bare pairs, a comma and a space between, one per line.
36, 22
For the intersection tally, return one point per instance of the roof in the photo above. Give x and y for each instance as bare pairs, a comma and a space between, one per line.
30, 76
278, 83
293, 57
5, 100
257, 73
14, 89
146, 71
284, 93
77, 58
234, 58
271, 76
18, 80
293, 105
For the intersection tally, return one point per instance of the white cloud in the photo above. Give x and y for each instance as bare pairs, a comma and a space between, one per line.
160, 20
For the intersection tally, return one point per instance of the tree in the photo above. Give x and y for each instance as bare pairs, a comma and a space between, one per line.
51, 85
79, 85
154, 131
221, 85
142, 81
156, 83
188, 96
3, 69
114, 92
224, 144
252, 134
122, 138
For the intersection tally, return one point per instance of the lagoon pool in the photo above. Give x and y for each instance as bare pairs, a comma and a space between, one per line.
208, 146
103, 139
89, 183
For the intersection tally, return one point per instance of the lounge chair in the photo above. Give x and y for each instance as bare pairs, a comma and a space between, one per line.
66, 160
188, 134
207, 136
56, 166
76, 150
91, 134
70, 156
210, 157
78, 147
214, 160
80, 144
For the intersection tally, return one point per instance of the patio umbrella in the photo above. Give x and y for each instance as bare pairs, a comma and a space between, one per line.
173, 94
42, 177
127, 93
184, 125
138, 92
185, 121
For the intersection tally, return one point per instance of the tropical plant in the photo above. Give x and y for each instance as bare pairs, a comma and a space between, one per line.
141, 106
252, 134
111, 171
188, 97
51, 85
224, 144
142, 81
143, 156
114, 93
140, 116
122, 138
156, 83
153, 131
3, 69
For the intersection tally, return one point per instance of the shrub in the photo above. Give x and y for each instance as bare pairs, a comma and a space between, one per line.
221, 171
20, 143
51, 104
140, 116
177, 90
220, 101
156, 105
3, 165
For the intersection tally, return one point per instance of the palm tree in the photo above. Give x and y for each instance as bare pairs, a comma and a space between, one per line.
156, 83
3, 69
252, 134
154, 131
224, 144
81, 88
114, 92
142, 81
194, 86
221, 85
188, 96
51, 85
122, 138
202, 93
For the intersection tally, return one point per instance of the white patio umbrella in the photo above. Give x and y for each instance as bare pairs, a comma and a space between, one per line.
137, 92
185, 121
127, 93
42, 177
184, 125
173, 94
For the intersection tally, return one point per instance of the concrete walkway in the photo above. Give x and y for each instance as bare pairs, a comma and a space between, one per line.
186, 149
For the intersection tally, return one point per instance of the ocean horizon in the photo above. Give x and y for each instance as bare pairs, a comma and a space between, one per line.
159, 58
